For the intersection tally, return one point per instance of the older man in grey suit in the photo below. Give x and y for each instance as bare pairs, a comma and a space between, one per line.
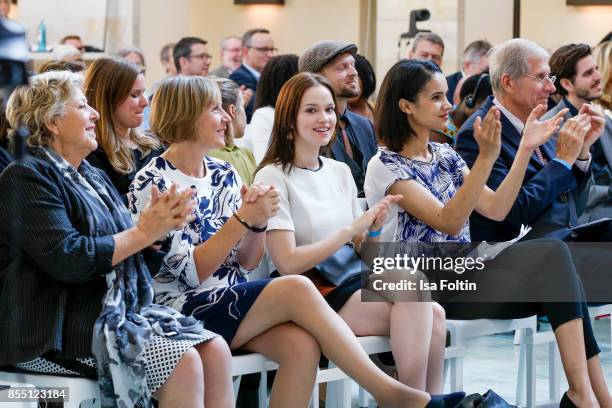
579, 84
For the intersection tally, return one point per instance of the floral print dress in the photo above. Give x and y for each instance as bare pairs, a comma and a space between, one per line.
221, 300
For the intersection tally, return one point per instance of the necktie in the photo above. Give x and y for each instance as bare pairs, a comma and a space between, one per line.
345, 140
541, 158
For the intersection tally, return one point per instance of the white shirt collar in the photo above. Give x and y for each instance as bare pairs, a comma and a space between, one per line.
252, 70
516, 122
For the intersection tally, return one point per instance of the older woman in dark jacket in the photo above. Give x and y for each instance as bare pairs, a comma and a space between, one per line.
75, 294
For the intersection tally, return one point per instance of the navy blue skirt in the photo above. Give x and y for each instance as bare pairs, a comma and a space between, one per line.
222, 310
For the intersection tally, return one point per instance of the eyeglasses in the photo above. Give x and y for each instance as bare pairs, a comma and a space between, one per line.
201, 56
541, 79
265, 50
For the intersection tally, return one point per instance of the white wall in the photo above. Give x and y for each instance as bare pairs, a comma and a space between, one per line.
81, 17
294, 26
552, 23
161, 22
487, 19
392, 19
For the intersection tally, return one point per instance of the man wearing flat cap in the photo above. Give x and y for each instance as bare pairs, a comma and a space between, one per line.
355, 143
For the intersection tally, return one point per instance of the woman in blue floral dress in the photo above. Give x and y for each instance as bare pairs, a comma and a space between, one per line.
440, 193
285, 319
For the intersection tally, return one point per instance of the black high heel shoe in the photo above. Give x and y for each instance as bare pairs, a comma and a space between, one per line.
566, 402
446, 400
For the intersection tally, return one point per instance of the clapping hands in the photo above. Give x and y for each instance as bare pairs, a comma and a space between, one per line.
597, 125
487, 133
166, 212
375, 217
537, 132
259, 204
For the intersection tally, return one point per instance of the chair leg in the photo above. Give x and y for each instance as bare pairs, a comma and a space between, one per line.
554, 366
364, 398
314, 400
521, 377
456, 383
263, 390
237, 386
610, 319
344, 393
530, 374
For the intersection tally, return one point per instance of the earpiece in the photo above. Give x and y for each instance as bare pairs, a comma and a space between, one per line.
470, 101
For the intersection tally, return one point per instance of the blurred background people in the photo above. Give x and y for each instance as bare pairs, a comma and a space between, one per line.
276, 72
231, 56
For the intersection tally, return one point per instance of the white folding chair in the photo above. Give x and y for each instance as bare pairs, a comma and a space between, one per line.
82, 392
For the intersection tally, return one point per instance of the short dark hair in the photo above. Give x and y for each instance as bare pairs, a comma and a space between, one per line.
366, 74
183, 49
246, 37
427, 36
274, 75
469, 87
563, 63
164, 53
405, 80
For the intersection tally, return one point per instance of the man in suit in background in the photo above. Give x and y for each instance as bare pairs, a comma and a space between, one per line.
191, 56
579, 84
231, 56
475, 61
257, 49
553, 193
427, 46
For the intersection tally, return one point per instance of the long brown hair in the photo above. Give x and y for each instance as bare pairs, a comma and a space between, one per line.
282, 140
108, 82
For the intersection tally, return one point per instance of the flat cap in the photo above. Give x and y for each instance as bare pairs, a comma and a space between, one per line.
323, 52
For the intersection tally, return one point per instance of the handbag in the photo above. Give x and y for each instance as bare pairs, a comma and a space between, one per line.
340, 266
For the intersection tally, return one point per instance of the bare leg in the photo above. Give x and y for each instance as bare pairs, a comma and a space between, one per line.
185, 386
407, 323
216, 359
435, 364
598, 382
571, 346
301, 303
297, 353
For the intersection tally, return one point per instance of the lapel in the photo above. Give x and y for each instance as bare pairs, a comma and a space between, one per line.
606, 140
246, 70
513, 137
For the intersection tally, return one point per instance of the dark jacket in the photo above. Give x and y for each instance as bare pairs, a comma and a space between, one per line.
242, 76
452, 81
122, 182
51, 269
363, 142
5, 158
550, 199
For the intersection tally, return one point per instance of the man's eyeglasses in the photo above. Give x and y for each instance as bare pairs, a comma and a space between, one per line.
201, 56
541, 79
265, 50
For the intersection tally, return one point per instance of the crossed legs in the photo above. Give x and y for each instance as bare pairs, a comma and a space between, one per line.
295, 299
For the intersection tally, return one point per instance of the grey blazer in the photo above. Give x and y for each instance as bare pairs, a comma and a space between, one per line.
599, 202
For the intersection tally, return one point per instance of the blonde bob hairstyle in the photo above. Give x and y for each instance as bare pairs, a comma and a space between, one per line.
177, 105
39, 104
